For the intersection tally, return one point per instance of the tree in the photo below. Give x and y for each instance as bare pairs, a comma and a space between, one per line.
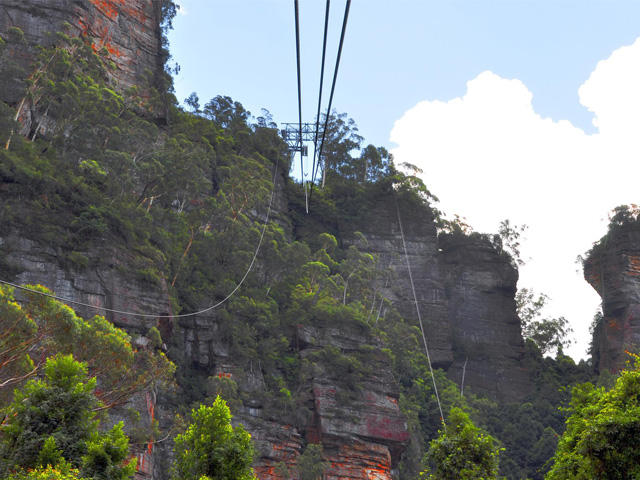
462, 451
107, 454
548, 333
212, 448
602, 439
42, 327
54, 422
310, 463
48, 473
340, 139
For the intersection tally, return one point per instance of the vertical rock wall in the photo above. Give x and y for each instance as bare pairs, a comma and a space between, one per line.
487, 342
466, 295
128, 29
613, 270
382, 231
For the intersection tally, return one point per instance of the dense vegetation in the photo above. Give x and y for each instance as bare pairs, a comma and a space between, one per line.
183, 194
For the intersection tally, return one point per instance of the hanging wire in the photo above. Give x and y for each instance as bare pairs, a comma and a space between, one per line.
415, 298
148, 315
297, 22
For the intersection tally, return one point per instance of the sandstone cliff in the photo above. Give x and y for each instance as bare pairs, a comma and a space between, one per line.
613, 270
487, 344
129, 30
465, 291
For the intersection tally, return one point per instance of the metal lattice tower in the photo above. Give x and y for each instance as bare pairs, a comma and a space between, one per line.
295, 137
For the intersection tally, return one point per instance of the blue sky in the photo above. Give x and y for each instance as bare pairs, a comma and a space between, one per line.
396, 53
485, 96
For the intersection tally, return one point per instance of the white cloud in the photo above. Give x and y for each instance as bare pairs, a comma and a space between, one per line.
489, 156
613, 94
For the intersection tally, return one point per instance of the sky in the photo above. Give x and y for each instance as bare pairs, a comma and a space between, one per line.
527, 110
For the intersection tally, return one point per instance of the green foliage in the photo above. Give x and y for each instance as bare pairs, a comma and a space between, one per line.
50, 453
458, 225
529, 430
310, 465
107, 455
622, 218
211, 447
602, 434
225, 388
48, 473
53, 422
154, 337
462, 451
508, 241
548, 333
42, 327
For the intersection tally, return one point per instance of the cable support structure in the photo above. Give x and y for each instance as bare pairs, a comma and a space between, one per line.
333, 87
415, 299
183, 315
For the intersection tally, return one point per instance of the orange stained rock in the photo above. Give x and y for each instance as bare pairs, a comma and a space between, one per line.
613, 323
107, 8
359, 461
633, 267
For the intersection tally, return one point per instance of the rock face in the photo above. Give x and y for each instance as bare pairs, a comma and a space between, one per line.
106, 285
359, 424
421, 238
356, 419
465, 290
128, 29
487, 343
613, 270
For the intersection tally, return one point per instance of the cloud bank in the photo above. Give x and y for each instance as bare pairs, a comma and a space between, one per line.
489, 156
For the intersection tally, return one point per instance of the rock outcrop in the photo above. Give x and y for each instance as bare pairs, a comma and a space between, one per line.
421, 238
487, 344
355, 416
106, 282
129, 30
357, 420
613, 270
465, 289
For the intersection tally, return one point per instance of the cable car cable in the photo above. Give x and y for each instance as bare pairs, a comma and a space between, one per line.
333, 86
324, 51
297, 22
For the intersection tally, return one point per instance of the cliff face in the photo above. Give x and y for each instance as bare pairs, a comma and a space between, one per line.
487, 342
128, 29
107, 283
357, 420
384, 240
465, 290
613, 270
360, 424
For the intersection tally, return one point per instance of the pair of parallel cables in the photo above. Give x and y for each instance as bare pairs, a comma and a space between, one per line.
317, 150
